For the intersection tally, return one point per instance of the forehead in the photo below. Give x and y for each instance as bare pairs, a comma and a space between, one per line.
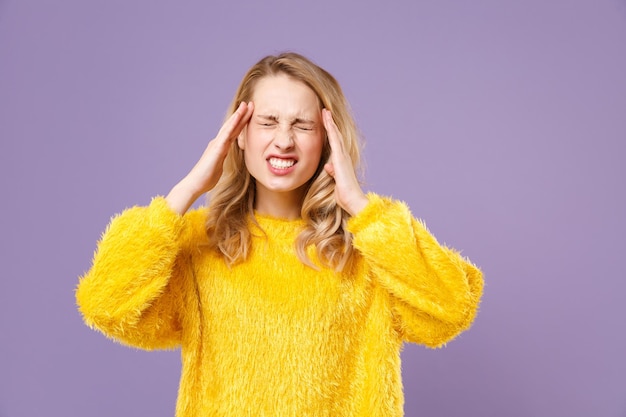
282, 95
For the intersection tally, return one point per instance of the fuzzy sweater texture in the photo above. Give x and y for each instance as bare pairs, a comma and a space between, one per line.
271, 336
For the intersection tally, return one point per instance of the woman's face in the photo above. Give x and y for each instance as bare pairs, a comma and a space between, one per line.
283, 141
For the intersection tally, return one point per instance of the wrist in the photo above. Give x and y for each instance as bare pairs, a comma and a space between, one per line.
357, 204
182, 196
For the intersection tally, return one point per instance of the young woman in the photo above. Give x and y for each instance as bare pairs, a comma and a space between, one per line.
292, 292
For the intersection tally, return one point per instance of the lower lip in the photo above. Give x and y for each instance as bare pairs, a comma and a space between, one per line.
280, 171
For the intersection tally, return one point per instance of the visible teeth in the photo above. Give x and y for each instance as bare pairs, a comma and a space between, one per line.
281, 163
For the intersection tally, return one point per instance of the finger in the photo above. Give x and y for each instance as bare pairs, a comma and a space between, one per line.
245, 113
231, 122
240, 111
235, 123
332, 131
245, 118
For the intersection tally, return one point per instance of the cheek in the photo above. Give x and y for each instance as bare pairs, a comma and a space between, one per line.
316, 146
257, 138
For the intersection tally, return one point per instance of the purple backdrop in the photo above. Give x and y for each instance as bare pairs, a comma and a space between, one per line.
501, 123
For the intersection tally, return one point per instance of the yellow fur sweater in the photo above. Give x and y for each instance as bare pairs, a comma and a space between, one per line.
271, 336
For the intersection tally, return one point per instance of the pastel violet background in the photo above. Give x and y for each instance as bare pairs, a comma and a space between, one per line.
501, 123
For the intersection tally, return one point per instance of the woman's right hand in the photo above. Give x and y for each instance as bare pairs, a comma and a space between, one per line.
208, 170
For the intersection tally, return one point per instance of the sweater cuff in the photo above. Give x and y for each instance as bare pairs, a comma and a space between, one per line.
161, 211
188, 229
371, 213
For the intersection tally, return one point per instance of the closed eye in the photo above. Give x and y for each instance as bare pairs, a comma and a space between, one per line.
267, 120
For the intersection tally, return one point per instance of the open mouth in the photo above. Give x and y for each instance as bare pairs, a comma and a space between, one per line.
279, 163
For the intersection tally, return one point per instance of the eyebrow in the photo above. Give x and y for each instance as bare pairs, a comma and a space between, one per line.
297, 120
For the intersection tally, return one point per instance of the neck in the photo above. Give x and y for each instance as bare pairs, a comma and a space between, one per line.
285, 205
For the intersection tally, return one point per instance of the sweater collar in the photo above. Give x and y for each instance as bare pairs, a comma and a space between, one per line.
276, 228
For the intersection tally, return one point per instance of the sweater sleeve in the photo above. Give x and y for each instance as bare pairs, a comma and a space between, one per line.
434, 291
133, 291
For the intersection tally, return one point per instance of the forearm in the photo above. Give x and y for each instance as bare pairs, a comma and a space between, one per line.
435, 290
132, 267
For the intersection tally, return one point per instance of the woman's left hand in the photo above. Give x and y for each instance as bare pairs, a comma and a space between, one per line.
348, 191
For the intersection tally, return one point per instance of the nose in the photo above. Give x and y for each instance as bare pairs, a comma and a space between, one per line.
284, 139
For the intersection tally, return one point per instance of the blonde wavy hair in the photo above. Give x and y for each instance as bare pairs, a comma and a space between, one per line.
231, 203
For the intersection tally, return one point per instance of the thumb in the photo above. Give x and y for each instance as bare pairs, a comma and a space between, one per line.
330, 169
